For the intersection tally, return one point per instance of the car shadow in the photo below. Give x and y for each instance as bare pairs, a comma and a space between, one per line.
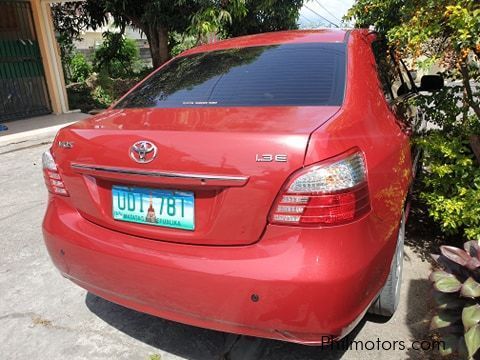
198, 344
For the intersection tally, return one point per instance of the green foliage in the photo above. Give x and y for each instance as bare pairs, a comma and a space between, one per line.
457, 299
212, 20
452, 184
69, 20
443, 31
156, 18
413, 23
117, 56
452, 175
265, 16
160, 19
181, 42
79, 68
209, 21
99, 91
80, 97
102, 97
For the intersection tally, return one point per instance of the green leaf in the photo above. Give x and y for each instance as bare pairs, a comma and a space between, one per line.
471, 316
448, 284
472, 340
444, 319
470, 288
439, 274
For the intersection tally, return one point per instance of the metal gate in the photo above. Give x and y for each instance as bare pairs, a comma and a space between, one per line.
23, 91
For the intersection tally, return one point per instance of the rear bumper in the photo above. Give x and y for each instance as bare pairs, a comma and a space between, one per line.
310, 285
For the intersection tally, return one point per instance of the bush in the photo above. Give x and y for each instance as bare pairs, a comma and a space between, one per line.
98, 91
117, 56
452, 184
102, 97
79, 68
80, 97
117, 69
452, 174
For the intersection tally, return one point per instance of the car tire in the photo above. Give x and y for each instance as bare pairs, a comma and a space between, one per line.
387, 301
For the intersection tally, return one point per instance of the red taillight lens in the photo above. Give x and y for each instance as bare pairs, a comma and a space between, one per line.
329, 193
53, 180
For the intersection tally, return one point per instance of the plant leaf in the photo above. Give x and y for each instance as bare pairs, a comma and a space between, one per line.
472, 340
470, 288
450, 266
447, 301
471, 316
473, 263
450, 343
448, 284
473, 248
444, 319
439, 274
455, 254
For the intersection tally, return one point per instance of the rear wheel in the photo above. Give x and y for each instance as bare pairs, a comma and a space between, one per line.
387, 301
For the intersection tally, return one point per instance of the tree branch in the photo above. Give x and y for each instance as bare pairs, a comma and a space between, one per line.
468, 88
468, 95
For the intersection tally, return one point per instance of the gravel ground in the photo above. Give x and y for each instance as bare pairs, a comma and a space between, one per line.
44, 315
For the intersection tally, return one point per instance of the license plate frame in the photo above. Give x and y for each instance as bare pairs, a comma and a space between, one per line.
155, 207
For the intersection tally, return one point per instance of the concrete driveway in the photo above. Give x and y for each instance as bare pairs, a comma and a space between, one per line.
43, 315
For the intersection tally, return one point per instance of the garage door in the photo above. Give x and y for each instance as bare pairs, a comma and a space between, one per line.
23, 90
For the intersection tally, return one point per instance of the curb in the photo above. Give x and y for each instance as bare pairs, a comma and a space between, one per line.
31, 134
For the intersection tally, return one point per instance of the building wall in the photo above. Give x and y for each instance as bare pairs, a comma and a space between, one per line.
42, 17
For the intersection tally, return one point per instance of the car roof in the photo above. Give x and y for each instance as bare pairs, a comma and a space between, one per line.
274, 38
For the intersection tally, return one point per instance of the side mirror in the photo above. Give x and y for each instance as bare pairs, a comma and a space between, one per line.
431, 83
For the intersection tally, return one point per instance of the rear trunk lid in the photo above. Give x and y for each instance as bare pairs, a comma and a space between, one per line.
213, 152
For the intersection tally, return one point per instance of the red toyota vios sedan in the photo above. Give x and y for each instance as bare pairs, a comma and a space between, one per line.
255, 186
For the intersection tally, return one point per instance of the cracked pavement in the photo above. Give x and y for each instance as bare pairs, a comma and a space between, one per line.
44, 315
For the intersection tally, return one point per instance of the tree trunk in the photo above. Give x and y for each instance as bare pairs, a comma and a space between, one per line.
158, 40
468, 88
475, 145
468, 95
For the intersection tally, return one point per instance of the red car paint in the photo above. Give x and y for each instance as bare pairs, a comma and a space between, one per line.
237, 272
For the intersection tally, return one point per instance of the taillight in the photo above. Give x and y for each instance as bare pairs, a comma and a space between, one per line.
332, 192
53, 180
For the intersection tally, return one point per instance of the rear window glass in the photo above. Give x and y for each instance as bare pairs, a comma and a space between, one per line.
310, 74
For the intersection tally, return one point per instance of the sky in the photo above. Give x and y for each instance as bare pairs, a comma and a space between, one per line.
322, 13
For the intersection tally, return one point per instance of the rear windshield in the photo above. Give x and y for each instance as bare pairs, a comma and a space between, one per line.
310, 74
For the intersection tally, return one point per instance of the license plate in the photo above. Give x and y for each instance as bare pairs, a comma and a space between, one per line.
174, 209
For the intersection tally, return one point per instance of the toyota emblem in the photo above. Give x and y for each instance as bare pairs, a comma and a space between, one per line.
143, 152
